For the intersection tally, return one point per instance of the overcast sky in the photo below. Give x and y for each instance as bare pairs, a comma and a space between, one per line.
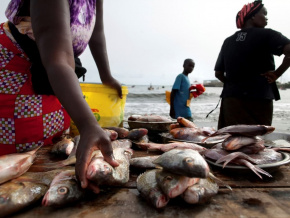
148, 40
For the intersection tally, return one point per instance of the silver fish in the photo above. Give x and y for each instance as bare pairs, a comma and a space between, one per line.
102, 173
14, 165
237, 142
64, 189
148, 188
24, 191
143, 162
184, 162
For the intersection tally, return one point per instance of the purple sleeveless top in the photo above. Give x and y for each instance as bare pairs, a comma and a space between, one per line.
83, 17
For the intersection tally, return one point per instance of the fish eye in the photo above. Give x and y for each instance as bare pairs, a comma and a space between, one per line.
168, 178
188, 160
3, 199
62, 190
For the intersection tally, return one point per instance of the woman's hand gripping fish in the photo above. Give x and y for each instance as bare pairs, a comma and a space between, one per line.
184, 162
102, 173
149, 189
14, 165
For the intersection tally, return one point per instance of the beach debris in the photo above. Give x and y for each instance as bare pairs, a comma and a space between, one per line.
149, 189
14, 165
184, 162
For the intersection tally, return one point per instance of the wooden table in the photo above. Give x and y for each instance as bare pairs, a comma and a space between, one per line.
251, 197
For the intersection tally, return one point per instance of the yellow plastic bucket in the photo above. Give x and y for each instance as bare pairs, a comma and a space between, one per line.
105, 103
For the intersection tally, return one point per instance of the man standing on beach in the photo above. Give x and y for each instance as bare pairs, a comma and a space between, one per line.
180, 96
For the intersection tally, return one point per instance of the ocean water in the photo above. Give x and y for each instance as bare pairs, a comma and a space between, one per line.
142, 101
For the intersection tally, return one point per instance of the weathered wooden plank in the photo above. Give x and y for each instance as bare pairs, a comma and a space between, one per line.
273, 202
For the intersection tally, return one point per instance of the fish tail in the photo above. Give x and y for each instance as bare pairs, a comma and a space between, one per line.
219, 180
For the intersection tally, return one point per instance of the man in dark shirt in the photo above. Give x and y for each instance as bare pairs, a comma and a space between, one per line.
246, 67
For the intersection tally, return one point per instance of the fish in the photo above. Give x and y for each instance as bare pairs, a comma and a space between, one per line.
169, 146
149, 118
245, 130
216, 154
200, 192
266, 156
249, 149
25, 190
143, 162
174, 125
64, 147
137, 134
102, 173
172, 184
188, 134
185, 122
111, 133
71, 160
236, 142
148, 188
16, 164
64, 189
184, 162
122, 132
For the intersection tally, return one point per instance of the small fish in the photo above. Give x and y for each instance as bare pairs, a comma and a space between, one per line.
201, 192
14, 165
136, 134
102, 173
169, 146
245, 130
122, 132
186, 123
172, 184
184, 162
237, 142
64, 189
174, 126
111, 133
148, 188
63, 147
143, 162
149, 118
188, 134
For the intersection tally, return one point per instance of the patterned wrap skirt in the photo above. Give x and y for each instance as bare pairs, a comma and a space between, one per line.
27, 120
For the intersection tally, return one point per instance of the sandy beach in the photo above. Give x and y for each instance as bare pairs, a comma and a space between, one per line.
140, 100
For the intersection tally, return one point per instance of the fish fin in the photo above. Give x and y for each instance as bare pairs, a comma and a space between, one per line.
228, 158
256, 169
219, 180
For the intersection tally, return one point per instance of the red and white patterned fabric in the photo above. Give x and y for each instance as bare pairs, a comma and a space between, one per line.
27, 120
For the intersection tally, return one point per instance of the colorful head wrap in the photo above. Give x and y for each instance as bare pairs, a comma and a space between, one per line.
247, 12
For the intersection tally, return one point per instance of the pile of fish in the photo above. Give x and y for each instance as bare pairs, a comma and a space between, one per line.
56, 181
243, 147
149, 118
180, 172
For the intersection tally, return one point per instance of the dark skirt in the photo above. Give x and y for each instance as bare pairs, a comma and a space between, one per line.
235, 111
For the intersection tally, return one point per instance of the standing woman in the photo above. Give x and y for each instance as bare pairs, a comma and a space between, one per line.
39, 89
246, 67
